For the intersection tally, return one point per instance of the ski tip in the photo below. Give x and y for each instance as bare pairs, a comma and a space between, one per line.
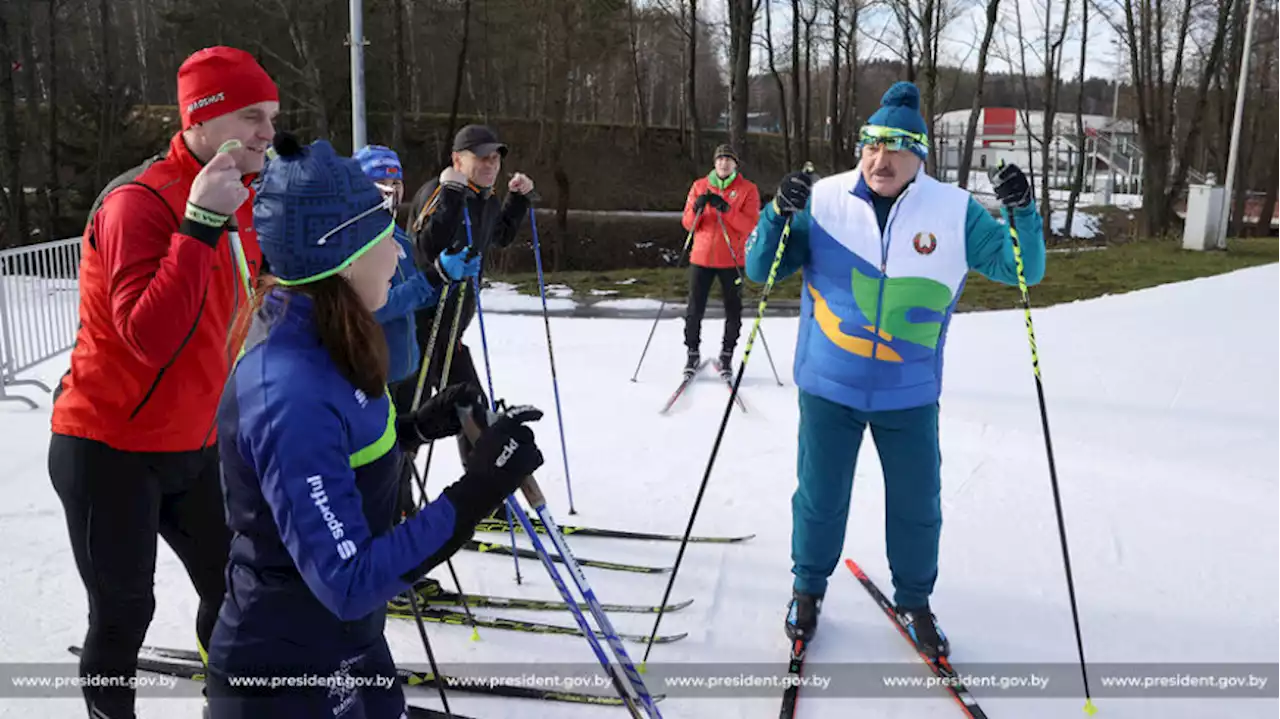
679, 605
1089, 708
667, 639
853, 567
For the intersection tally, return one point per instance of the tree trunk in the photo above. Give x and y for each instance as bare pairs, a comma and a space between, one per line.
641, 111
797, 103
741, 18
851, 77
16, 206
691, 87
777, 78
31, 111
399, 80
1078, 180
971, 128
833, 105
53, 178
106, 113
461, 70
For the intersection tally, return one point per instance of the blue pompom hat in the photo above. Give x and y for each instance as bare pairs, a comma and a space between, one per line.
899, 116
315, 211
380, 163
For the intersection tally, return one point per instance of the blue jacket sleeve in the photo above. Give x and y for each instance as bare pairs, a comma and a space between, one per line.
299, 448
989, 248
411, 290
762, 245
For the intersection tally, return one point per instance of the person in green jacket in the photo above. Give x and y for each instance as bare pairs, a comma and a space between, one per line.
885, 250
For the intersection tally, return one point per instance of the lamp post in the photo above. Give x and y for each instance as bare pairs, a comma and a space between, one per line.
358, 138
1225, 221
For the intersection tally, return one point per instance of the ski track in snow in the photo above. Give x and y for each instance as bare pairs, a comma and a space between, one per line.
1165, 447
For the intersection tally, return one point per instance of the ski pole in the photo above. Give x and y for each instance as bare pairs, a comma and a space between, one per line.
555, 384
743, 279
484, 344
728, 410
431, 656
688, 241
1089, 707
533, 495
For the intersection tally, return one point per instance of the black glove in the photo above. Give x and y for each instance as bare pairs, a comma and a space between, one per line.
719, 203
793, 193
437, 418
701, 203
502, 457
1011, 186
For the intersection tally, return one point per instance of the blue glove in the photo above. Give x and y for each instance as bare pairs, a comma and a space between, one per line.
459, 265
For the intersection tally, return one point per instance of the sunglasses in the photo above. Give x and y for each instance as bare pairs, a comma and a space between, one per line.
893, 139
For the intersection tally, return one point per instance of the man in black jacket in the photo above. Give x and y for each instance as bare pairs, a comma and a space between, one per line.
440, 211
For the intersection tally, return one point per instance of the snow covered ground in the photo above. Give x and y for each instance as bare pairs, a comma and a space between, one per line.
1163, 413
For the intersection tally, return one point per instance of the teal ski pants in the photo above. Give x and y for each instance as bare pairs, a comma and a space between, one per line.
907, 442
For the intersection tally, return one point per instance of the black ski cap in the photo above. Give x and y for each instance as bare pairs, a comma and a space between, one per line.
479, 139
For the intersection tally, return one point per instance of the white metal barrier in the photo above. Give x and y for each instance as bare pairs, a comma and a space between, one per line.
39, 309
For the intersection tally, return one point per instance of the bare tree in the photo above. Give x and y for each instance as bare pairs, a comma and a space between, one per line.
777, 78
1077, 181
1144, 30
742, 16
16, 206
970, 130
833, 105
399, 74
461, 67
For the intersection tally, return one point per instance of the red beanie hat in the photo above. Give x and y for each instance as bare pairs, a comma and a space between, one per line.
218, 80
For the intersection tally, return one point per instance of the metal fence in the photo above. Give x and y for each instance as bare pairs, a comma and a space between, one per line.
39, 309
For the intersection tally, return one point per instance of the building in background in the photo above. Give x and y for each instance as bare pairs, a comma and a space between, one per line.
1110, 148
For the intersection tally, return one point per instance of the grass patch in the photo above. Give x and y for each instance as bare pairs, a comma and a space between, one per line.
1069, 276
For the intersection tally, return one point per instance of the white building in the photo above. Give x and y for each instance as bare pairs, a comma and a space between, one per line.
1004, 133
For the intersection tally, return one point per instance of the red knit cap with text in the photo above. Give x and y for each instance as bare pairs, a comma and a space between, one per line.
218, 80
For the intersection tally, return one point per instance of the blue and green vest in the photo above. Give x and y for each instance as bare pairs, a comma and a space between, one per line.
875, 306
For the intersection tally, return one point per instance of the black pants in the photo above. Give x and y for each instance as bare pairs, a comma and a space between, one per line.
700, 280
116, 504
461, 369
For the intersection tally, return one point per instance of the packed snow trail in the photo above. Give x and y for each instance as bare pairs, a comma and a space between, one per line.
1165, 427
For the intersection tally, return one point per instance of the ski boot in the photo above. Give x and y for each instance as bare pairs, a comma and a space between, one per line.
725, 365
923, 627
692, 363
802, 616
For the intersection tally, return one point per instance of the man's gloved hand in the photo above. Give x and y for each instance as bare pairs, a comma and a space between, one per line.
793, 193
437, 418
459, 264
1012, 187
503, 456
453, 177
700, 204
718, 202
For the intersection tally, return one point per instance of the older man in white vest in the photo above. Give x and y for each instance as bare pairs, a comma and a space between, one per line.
885, 250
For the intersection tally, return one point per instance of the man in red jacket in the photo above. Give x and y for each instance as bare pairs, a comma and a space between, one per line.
721, 211
132, 454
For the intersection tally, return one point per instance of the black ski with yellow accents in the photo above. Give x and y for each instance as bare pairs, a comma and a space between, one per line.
494, 524
186, 664
436, 615
436, 597
503, 549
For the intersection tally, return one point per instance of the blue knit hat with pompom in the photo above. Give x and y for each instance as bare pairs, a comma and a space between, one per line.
316, 212
900, 109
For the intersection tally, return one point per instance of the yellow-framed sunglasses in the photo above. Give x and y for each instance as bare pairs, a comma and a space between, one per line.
893, 139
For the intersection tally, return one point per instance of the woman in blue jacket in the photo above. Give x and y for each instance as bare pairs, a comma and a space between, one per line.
310, 448
885, 251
